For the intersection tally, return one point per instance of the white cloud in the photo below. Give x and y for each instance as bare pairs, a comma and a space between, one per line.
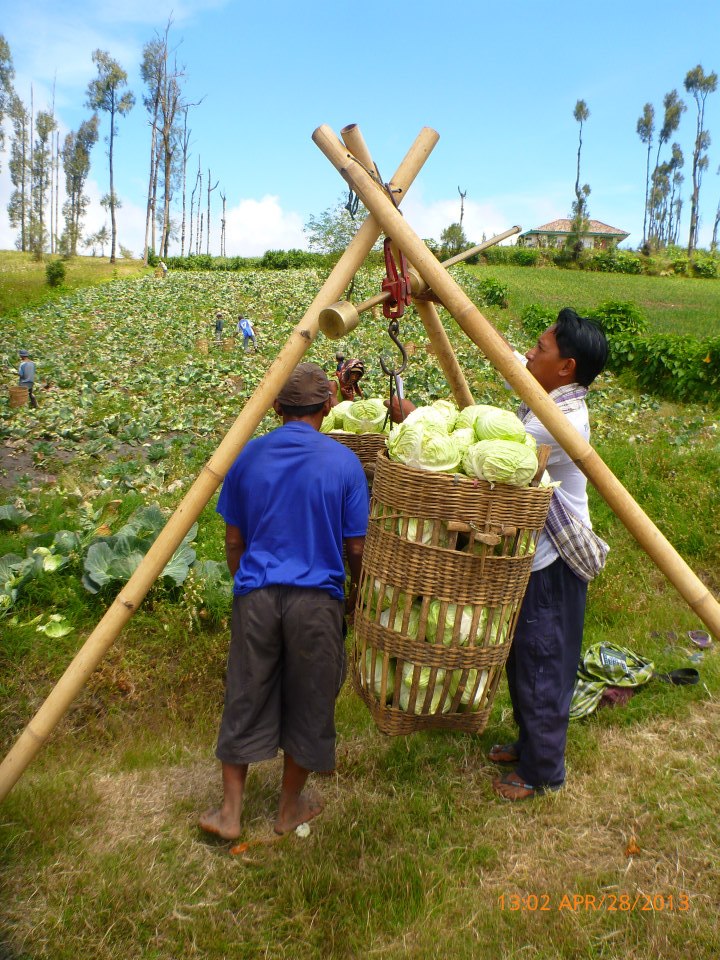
254, 226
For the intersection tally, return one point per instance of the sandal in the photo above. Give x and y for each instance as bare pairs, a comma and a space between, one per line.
504, 753
513, 787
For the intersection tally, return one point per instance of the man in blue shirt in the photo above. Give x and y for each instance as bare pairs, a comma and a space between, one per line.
291, 501
248, 333
26, 376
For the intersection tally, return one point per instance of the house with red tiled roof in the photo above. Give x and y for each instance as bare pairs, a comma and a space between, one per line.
598, 235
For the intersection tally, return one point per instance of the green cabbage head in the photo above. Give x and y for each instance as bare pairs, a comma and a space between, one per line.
501, 461
468, 415
424, 446
497, 424
432, 416
396, 625
338, 413
448, 409
365, 416
423, 682
373, 677
433, 617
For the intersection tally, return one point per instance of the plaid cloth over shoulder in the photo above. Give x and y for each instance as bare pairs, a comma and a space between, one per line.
583, 551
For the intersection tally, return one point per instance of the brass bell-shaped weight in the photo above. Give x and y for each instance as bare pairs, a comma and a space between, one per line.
338, 319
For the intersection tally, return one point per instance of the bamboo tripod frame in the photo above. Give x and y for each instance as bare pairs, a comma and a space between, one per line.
131, 596
483, 334
383, 216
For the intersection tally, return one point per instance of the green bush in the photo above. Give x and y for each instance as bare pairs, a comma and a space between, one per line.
678, 367
536, 319
704, 266
55, 273
494, 293
616, 317
615, 261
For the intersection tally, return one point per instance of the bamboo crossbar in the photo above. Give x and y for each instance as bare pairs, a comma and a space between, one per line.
133, 593
483, 334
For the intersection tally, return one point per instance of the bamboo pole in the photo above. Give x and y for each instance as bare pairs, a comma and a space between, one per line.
444, 352
154, 562
482, 333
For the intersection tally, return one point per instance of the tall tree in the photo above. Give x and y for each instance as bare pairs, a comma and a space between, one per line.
105, 93
76, 164
674, 108
334, 228
646, 130
7, 73
40, 174
700, 85
19, 167
152, 70
209, 191
579, 206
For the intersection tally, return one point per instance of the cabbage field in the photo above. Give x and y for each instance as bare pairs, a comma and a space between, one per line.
99, 851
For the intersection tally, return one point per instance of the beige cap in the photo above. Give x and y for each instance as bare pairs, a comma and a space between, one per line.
307, 385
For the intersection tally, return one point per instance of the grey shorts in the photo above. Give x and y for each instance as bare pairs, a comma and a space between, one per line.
285, 669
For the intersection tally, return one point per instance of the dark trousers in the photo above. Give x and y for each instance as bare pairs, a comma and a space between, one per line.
542, 668
31, 398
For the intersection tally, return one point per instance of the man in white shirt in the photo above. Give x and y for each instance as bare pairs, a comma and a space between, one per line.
543, 660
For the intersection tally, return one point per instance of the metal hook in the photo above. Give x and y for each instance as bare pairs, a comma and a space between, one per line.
393, 333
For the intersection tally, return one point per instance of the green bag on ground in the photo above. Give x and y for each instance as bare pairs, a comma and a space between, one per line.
606, 665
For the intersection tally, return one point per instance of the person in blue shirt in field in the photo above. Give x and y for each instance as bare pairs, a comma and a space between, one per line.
26, 376
292, 501
248, 334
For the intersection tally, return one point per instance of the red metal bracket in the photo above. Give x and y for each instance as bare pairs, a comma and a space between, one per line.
397, 284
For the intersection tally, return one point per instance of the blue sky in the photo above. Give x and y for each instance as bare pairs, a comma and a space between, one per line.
497, 81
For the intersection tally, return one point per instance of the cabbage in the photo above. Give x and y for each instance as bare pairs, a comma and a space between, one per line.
365, 416
501, 461
373, 678
496, 635
464, 437
465, 700
328, 423
431, 628
423, 682
414, 526
396, 625
425, 446
497, 424
338, 413
371, 597
429, 415
468, 415
448, 409
530, 441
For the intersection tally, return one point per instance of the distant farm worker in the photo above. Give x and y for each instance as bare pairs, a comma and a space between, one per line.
163, 267
292, 499
245, 327
219, 323
26, 375
349, 373
542, 665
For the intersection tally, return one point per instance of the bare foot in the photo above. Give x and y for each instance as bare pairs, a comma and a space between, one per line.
299, 809
220, 824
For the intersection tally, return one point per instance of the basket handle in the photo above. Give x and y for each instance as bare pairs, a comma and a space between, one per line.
543, 455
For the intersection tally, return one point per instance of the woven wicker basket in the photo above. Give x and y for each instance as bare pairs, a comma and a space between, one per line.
445, 568
365, 445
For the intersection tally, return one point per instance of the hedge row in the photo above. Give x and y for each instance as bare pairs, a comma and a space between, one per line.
667, 262
677, 367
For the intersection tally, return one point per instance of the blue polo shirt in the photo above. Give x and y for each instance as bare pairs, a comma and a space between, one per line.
295, 494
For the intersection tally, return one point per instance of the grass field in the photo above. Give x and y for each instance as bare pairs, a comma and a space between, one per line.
414, 856
671, 304
23, 282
